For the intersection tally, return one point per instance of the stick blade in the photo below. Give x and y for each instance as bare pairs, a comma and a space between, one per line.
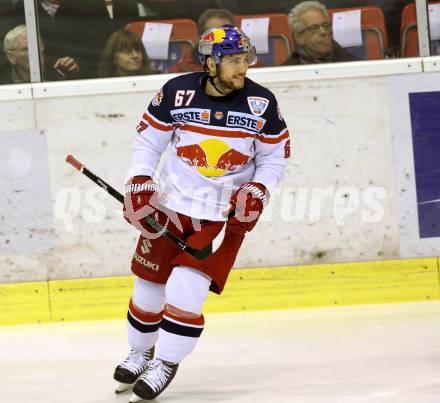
70, 159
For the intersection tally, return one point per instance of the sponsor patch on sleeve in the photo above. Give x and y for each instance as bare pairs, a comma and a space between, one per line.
157, 98
257, 105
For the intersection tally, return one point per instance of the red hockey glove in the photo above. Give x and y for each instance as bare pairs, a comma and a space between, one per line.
248, 203
140, 198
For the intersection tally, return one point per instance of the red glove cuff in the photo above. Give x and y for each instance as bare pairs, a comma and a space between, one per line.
251, 197
258, 191
139, 193
141, 184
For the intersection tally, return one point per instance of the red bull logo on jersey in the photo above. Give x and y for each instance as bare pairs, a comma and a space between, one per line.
231, 159
193, 155
245, 121
191, 115
212, 157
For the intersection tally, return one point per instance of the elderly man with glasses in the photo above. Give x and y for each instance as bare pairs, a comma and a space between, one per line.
312, 30
15, 47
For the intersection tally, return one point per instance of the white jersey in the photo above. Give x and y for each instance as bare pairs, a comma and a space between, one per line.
217, 144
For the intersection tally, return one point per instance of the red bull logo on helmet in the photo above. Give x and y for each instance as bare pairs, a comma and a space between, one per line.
191, 115
245, 121
212, 157
215, 36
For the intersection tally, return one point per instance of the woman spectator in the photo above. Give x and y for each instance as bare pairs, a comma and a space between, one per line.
124, 55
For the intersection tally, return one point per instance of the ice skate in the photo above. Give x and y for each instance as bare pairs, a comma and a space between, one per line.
154, 381
129, 370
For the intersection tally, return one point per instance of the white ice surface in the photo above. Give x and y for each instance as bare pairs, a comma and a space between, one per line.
360, 354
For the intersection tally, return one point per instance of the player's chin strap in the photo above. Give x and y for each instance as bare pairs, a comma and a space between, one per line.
211, 80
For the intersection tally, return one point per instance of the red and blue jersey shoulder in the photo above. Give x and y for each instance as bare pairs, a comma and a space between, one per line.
178, 92
262, 103
182, 100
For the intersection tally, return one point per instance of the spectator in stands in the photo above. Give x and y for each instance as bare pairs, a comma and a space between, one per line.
11, 15
392, 10
209, 19
15, 47
124, 55
78, 28
312, 30
75, 28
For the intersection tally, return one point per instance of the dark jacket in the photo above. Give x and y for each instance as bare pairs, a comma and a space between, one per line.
339, 54
8, 76
79, 29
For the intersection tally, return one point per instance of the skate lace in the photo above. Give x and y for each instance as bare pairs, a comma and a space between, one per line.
157, 375
136, 361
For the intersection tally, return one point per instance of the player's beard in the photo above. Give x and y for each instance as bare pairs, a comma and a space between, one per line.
230, 84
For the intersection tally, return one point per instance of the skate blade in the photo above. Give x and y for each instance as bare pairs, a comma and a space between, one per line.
123, 387
135, 398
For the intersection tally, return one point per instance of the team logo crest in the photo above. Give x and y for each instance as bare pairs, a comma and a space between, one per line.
257, 105
218, 115
157, 98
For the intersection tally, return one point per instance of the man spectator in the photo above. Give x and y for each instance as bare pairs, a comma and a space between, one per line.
312, 29
76, 28
15, 47
209, 19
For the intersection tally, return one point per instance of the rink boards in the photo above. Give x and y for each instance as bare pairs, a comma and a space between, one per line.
361, 187
247, 290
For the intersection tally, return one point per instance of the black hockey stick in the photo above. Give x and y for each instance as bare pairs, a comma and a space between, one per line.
199, 254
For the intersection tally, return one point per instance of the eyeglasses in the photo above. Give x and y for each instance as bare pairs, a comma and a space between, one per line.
23, 50
17, 50
315, 28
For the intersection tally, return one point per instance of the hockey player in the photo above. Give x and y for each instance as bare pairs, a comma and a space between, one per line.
229, 149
